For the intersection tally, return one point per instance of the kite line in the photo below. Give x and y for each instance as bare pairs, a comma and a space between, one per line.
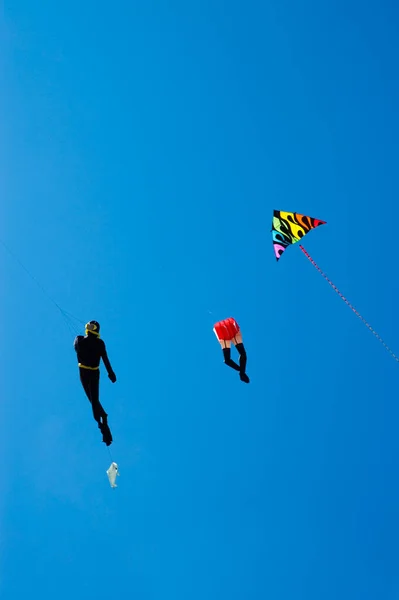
65, 314
334, 287
289, 228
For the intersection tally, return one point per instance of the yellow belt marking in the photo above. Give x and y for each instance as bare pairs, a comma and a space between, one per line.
88, 368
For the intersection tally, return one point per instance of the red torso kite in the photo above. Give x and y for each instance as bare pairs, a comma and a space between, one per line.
228, 331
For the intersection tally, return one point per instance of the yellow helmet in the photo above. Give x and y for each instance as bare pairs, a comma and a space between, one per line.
93, 327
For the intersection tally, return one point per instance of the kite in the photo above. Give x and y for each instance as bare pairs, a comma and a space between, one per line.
228, 331
289, 228
90, 349
112, 473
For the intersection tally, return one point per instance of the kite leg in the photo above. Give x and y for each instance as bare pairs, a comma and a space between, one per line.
238, 343
353, 309
243, 362
91, 384
226, 349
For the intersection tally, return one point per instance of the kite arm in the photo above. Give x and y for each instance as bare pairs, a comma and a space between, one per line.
107, 365
76, 342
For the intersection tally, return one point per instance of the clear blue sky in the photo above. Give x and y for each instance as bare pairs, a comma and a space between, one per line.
144, 148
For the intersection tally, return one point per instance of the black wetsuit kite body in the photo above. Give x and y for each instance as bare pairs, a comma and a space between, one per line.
90, 349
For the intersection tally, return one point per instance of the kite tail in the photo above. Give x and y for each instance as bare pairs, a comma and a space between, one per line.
334, 287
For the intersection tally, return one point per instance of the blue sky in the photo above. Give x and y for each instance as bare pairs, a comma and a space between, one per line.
145, 146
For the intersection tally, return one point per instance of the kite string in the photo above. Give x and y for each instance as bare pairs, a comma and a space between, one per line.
66, 315
334, 287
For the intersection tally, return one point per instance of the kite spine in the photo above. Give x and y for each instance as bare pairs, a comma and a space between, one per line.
353, 309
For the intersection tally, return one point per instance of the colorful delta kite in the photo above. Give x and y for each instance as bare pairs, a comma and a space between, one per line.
288, 228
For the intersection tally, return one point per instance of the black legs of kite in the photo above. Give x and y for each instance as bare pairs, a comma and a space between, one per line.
91, 384
243, 362
227, 359
233, 365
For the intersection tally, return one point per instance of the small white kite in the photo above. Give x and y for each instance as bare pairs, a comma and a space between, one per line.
112, 472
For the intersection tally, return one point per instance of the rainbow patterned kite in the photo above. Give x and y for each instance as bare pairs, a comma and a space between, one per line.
288, 228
